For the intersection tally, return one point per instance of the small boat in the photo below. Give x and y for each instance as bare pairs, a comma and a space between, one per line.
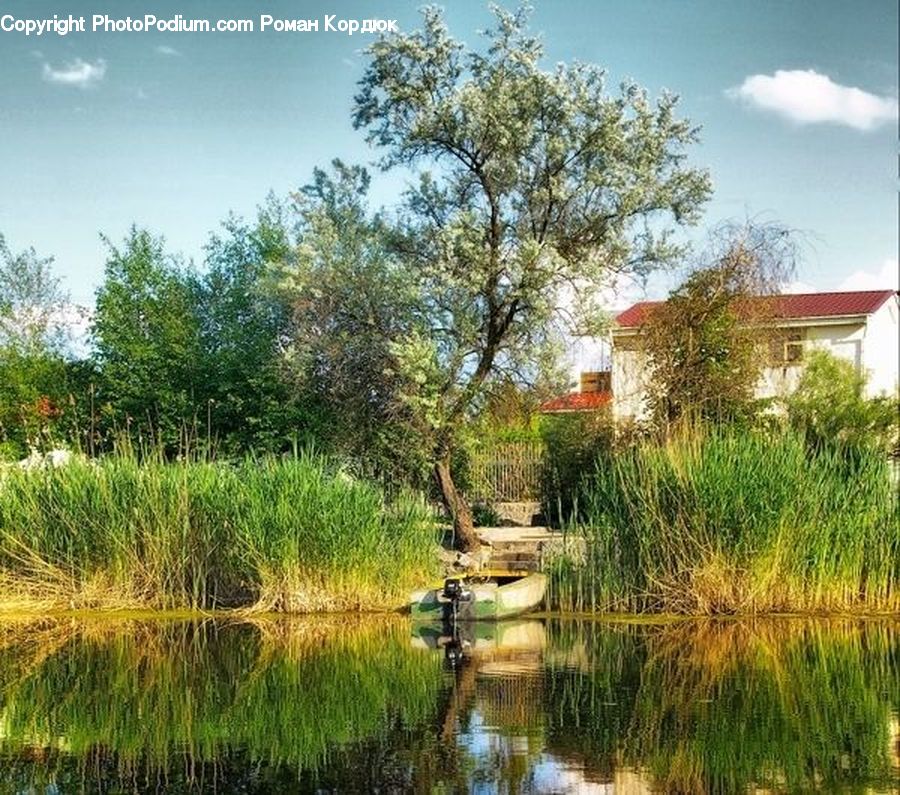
484, 597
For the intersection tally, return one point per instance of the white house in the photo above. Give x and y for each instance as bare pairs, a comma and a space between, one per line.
862, 326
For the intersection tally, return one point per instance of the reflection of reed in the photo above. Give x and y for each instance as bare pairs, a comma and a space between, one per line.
511, 696
346, 704
156, 693
723, 706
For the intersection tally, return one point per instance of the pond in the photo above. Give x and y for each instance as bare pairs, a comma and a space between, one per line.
374, 704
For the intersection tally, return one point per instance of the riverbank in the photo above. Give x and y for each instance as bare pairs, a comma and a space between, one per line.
724, 523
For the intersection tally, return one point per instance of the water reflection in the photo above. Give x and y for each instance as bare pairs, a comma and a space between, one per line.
360, 705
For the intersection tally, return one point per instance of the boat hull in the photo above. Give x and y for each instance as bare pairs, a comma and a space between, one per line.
491, 601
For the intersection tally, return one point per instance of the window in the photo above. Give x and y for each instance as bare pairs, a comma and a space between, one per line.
598, 381
786, 347
793, 351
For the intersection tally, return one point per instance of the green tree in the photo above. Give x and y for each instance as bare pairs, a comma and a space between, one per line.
532, 184
243, 328
146, 336
706, 345
830, 405
33, 367
353, 298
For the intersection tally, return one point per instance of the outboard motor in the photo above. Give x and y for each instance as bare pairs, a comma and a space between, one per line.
453, 654
460, 600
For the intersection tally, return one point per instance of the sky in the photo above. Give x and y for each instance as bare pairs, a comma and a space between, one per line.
797, 102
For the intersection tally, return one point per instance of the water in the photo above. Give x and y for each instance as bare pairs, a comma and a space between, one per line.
373, 705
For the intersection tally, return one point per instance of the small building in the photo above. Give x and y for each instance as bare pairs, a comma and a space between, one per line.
862, 327
594, 393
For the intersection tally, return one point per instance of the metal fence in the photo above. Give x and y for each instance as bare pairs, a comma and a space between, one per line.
507, 472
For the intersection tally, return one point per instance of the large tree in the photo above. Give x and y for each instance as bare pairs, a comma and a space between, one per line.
243, 328
353, 299
532, 184
146, 336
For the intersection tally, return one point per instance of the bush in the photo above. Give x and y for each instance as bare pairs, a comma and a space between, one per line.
572, 443
830, 405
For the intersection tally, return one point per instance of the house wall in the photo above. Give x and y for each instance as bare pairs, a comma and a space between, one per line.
841, 339
881, 348
872, 344
629, 378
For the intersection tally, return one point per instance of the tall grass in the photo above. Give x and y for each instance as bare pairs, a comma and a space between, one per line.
287, 534
723, 522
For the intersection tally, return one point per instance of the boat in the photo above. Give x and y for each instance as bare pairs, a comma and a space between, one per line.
498, 647
483, 597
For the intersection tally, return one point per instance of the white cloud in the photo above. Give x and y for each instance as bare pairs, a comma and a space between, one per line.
799, 287
165, 49
807, 97
78, 73
884, 277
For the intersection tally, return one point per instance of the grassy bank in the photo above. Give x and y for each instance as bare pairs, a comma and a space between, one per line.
722, 522
287, 534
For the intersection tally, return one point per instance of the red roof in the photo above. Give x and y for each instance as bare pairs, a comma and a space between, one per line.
576, 401
860, 302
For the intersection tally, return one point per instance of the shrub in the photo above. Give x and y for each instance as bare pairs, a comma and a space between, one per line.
829, 405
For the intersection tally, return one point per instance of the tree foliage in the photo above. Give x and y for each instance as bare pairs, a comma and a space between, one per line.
187, 358
353, 299
706, 345
33, 367
243, 333
531, 183
146, 335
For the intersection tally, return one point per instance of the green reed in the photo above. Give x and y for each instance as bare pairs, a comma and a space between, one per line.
291, 534
724, 521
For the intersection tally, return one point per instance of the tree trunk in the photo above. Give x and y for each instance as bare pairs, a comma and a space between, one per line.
458, 508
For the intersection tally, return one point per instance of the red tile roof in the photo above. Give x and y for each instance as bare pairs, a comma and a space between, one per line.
576, 401
798, 305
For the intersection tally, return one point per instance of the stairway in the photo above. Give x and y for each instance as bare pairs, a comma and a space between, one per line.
515, 548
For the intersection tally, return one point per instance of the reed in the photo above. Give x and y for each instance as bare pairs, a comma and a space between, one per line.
290, 535
730, 522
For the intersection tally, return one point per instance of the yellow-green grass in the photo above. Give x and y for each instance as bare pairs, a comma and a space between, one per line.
724, 521
292, 535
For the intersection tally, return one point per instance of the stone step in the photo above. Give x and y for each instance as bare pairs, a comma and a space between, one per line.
506, 565
507, 552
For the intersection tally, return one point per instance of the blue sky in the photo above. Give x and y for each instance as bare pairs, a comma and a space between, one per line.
174, 130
